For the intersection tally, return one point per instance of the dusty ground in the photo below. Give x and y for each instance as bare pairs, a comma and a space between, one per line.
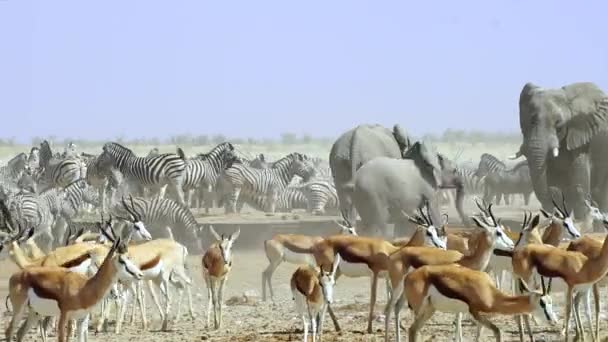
263, 321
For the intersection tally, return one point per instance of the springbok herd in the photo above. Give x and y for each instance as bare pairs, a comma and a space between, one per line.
437, 268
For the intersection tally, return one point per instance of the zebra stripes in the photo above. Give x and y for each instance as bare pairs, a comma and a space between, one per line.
245, 183
203, 172
55, 172
12, 171
153, 172
163, 215
103, 176
489, 164
473, 184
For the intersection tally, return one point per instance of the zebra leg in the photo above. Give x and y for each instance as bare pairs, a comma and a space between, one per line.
232, 202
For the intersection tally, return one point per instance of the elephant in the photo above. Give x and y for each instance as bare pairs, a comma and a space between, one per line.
564, 133
356, 147
387, 188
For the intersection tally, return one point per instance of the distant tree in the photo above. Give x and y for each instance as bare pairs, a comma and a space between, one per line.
306, 139
252, 141
219, 138
202, 139
288, 138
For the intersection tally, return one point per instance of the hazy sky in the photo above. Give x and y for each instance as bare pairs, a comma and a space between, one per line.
258, 68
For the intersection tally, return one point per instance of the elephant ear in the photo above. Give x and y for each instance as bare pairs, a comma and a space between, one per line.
401, 137
587, 121
426, 161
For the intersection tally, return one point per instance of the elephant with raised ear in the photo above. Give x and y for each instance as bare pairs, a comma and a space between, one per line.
564, 131
385, 188
355, 148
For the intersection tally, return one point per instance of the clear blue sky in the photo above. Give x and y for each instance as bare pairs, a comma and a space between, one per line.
100, 69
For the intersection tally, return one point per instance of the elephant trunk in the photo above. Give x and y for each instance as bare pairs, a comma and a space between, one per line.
537, 159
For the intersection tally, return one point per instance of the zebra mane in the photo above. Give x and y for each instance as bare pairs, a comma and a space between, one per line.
488, 157
288, 159
114, 146
14, 162
45, 154
216, 150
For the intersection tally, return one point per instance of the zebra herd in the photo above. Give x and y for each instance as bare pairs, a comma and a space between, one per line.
493, 181
46, 191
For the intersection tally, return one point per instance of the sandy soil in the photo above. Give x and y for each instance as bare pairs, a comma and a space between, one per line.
253, 320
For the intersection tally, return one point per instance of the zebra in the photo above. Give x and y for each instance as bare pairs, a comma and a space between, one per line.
33, 159
54, 172
164, 215
12, 171
250, 182
154, 172
321, 195
473, 185
203, 172
38, 212
516, 180
103, 176
489, 164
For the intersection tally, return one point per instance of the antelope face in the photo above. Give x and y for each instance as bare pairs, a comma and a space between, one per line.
126, 268
568, 224
347, 230
543, 308
502, 241
433, 239
595, 213
141, 232
327, 282
225, 246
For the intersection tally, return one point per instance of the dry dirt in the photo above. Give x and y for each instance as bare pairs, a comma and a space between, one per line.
253, 320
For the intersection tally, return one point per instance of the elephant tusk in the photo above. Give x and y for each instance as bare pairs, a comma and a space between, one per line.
555, 152
516, 155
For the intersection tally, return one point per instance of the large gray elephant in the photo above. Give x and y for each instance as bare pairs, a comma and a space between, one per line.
385, 188
564, 140
358, 146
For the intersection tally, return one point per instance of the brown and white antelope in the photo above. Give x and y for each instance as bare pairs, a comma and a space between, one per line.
312, 293
55, 291
367, 252
577, 271
217, 263
294, 249
491, 237
457, 289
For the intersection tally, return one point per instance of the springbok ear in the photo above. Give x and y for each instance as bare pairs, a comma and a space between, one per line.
535, 221
214, 233
235, 235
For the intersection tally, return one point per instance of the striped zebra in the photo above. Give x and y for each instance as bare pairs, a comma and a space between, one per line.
473, 185
203, 172
163, 216
245, 182
315, 196
33, 159
54, 172
321, 196
103, 176
38, 212
489, 164
14, 168
154, 173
